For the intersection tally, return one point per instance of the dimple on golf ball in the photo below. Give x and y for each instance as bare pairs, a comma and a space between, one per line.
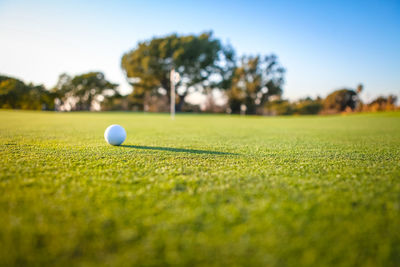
115, 135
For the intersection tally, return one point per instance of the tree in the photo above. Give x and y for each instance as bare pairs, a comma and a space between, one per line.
383, 103
84, 91
254, 81
16, 94
278, 107
308, 106
341, 100
201, 61
360, 88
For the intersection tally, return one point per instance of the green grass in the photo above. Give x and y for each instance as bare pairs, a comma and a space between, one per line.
200, 190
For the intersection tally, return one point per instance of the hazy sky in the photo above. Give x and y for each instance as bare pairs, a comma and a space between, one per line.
324, 45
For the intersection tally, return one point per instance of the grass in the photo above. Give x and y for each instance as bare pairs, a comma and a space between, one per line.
200, 190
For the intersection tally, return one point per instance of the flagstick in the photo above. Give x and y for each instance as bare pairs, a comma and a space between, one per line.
172, 79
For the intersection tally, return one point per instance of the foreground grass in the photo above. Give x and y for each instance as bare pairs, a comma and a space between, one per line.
200, 190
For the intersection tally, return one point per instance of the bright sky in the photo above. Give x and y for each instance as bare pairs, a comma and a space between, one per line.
324, 45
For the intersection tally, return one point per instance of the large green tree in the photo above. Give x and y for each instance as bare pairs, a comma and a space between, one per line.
254, 80
340, 100
201, 60
84, 91
16, 94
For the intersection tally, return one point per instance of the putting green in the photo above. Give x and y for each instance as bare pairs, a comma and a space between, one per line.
200, 190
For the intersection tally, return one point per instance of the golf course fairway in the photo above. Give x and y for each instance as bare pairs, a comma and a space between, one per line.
210, 190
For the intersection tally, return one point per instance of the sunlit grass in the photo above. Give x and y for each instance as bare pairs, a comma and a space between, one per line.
200, 190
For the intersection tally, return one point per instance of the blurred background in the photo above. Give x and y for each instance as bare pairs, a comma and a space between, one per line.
248, 57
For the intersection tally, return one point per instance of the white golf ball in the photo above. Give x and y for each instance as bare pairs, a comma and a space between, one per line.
115, 135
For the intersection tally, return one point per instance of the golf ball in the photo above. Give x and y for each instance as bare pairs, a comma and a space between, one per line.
115, 134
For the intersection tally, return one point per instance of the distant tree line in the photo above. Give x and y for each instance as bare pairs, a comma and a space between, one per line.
81, 92
339, 101
15, 94
250, 84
